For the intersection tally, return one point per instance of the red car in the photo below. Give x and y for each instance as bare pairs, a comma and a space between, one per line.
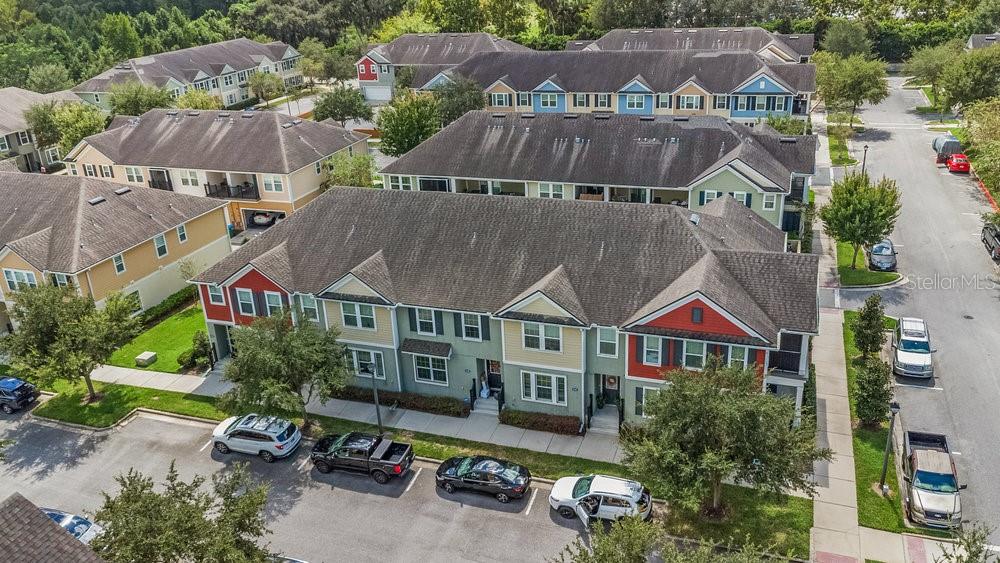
958, 162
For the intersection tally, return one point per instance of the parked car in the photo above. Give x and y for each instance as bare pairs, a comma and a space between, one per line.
378, 456
78, 526
944, 146
264, 218
15, 394
911, 349
932, 489
600, 496
882, 257
991, 239
269, 437
958, 162
497, 477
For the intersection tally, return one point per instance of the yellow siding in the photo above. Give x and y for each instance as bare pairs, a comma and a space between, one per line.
355, 287
304, 181
14, 262
383, 324
569, 358
691, 90
541, 307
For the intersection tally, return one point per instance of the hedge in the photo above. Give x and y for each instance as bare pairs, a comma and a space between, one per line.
447, 406
169, 306
559, 424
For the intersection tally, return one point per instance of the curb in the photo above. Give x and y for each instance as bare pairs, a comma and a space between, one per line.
986, 192
888, 285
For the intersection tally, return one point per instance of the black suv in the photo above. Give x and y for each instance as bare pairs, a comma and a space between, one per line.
16, 394
991, 239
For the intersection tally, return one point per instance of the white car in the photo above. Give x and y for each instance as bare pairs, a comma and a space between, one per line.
911, 349
78, 526
269, 437
600, 496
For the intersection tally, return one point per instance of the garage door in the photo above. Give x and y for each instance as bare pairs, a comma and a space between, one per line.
378, 93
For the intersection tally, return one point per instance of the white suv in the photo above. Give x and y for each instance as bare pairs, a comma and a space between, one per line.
599, 496
911, 349
269, 437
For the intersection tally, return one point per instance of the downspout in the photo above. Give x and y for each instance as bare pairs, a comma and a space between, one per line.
583, 380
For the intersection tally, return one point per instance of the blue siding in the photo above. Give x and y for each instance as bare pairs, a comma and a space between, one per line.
734, 110
437, 81
635, 87
770, 87
647, 109
536, 103
548, 86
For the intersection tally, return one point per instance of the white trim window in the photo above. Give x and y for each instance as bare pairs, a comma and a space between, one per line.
273, 183
425, 321
216, 296
61, 280
472, 328
189, 178
643, 394
523, 99
160, 242
401, 183
542, 337
72, 167
19, 278
694, 354
607, 342
227, 80
107, 171
543, 388
23, 138
635, 101
119, 262
663, 100
182, 233
244, 300
52, 155
581, 100
310, 309
430, 369
89, 170
760, 103
652, 351
318, 167
369, 357
358, 315
550, 191
710, 195
720, 101
740, 197
548, 101
500, 99
779, 103
4, 147
688, 101
741, 103
738, 356
602, 101
272, 301
134, 174
770, 202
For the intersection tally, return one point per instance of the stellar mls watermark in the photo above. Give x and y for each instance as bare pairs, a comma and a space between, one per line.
952, 282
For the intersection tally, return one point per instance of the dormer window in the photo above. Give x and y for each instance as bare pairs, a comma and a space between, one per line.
697, 315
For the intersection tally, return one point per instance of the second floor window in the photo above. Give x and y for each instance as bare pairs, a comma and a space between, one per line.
61, 280
770, 202
244, 297
358, 315
523, 99
425, 322
651, 351
182, 233
133, 174
119, 262
4, 147
689, 102
19, 278
694, 354
602, 100
500, 100
663, 101
107, 171
273, 184
471, 329
548, 100
189, 177
227, 80
273, 302
215, 295
160, 242
779, 103
607, 342
720, 102
542, 337
309, 308
23, 138
581, 100
635, 101
89, 170
551, 191
401, 182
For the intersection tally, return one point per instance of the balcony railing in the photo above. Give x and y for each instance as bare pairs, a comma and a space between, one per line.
784, 360
224, 191
160, 185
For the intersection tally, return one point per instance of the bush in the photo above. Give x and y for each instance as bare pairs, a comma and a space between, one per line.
249, 102
559, 424
874, 393
186, 359
200, 345
168, 306
808, 216
448, 406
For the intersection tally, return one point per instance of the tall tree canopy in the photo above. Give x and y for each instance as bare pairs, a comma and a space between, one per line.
408, 121
861, 213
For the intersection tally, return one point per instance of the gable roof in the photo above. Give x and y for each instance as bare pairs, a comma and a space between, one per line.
982, 40
232, 141
604, 149
183, 65
442, 48
15, 101
607, 71
713, 38
600, 262
48, 221
30, 536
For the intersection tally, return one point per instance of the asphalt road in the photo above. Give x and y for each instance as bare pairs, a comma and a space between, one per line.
952, 285
319, 518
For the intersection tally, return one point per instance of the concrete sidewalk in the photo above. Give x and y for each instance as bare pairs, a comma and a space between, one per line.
477, 427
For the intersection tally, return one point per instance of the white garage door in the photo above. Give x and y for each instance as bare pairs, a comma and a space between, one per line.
378, 93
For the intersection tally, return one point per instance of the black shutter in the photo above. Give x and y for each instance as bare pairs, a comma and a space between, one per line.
259, 304
484, 321
413, 319
769, 103
438, 322
724, 354
639, 345
701, 102
233, 304
664, 351
748, 199
678, 359
112, 169
458, 324
638, 400
284, 300
701, 197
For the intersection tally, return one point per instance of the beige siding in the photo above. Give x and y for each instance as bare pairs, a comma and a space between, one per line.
355, 287
382, 335
540, 307
14, 261
691, 90
304, 181
568, 359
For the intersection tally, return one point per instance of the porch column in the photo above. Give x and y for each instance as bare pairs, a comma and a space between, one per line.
798, 404
229, 179
607, 193
804, 356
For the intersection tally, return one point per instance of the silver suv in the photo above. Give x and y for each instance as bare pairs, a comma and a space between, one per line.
269, 437
911, 349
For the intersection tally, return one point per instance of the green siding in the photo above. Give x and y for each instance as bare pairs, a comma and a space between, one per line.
391, 381
512, 391
726, 182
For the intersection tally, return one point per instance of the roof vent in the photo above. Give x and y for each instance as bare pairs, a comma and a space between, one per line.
737, 31
194, 113
286, 125
692, 31
634, 31
246, 115
646, 118
678, 31
122, 191
695, 218
223, 115
498, 115
172, 112
296, 121
723, 30
571, 115
602, 116
96, 200
527, 116
990, 38
681, 118
793, 36
787, 140
673, 140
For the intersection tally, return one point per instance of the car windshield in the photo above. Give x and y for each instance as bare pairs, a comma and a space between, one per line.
338, 442
582, 487
287, 433
464, 466
935, 482
882, 250
918, 346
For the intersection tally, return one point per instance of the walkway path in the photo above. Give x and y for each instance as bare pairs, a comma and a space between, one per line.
477, 427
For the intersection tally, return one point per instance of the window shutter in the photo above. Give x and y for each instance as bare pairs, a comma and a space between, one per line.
639, 345
100, 170
233, 305
458, 324
413, 319
724, 353
484, 322
284, 300
769, 104
664, 351
748, 199
638, 401
259, 303
701, 198
112, 170
701, 102
678, 352
670, 101
439, 322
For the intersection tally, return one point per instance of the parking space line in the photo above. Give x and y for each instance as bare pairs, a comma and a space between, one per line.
919, 387
534, 493
207, 444
303, 464
413, 480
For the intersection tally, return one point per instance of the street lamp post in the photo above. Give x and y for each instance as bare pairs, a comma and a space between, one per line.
894, 410
864, 159
366, 371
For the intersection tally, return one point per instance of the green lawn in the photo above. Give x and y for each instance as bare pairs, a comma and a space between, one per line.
118, 401
169, 339
862, 275
839, 154
844, 118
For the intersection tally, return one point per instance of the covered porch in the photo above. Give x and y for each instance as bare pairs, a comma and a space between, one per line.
231, 185
489, 187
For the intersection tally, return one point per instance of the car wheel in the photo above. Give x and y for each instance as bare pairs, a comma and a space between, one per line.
995, 253
221, 448
6, 409
567, 512
380, 477
503, 498
323, 467
267, 456
448, 487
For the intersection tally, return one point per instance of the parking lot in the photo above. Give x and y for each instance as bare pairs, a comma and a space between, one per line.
334, 517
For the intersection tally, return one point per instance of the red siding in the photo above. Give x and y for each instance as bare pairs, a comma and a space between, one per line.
367, 69
215, 312
637, 369
712, 321
256, 282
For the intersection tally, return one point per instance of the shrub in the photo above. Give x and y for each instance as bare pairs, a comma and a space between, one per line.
448, 406
874, 393
807, 228
168, 306
559, 424
186, 359
200, 345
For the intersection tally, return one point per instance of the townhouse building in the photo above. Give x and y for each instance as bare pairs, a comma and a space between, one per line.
777, 47
548, 304
679, 160
739, 85
425, 54
263, 164
16, 139
221, 69
102, 237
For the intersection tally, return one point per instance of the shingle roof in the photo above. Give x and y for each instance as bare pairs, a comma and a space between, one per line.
48, 221
479, 253
608, 71
29, 536
442, 48
266, 142
616, 149
715, 38
982, 40
14, 102
183, 65
425, 347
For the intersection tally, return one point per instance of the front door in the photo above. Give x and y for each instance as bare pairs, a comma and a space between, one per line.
611, 385
494, 377
159, 179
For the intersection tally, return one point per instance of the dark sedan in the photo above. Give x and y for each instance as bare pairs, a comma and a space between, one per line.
496, 477
882, 257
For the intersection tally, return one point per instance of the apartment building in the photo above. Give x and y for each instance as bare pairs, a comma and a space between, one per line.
221, 69
778, 47
263, 164
16, 139
678, 160
549, 303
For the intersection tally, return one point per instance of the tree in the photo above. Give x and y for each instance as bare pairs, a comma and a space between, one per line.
869, 328
341, 104
136, 98
349, 170
874, 392
118, 34
972, 546
48, 77
860, 213
617, 14
408, 121
983, 121
76, 121
973, 76
403, 23
717, 424
846, 38
786, 124
507, 17
928, 64
457, 97
63, 335
265, 86
197, 99
313, 64
282, 366
629, 540
40, 118
850, 82
456, 16
183, 521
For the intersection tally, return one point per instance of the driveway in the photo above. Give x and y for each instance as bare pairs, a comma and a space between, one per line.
953, 286
319, 518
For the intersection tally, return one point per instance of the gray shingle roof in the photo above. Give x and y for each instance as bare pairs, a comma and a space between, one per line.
48, 221
14, 102
425, 347
479, 253
982, 40
616, 149
442, 48
183, 65
29, 536
266, 142
609, 71
715, 38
